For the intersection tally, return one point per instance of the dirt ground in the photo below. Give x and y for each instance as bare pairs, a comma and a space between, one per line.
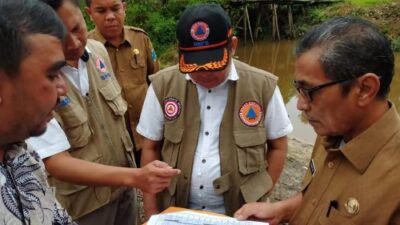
290, 181
295, 167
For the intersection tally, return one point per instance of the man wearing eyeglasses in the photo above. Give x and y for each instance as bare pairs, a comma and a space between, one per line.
343, 72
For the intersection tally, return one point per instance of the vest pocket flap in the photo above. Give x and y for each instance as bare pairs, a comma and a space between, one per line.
173, 135
254, 137
72, 115
110, 91
251, 149
170, 150
64, 188
256, 187
222, 183
112, 94
172, 186
75, 124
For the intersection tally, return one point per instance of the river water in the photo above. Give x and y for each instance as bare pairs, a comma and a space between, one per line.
278, 58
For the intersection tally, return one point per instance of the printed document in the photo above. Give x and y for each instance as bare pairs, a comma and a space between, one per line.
196, 218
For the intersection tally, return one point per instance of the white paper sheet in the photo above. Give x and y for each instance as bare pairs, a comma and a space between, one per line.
194, 218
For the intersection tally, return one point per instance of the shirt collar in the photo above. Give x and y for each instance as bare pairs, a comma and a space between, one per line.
99, 37
65, 69
233, 76
361, 150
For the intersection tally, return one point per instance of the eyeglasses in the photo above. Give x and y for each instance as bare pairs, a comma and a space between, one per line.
307, 93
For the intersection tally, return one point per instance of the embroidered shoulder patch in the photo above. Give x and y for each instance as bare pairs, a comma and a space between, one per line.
153, 55
172, 108
63, 101
251, 113
101, 66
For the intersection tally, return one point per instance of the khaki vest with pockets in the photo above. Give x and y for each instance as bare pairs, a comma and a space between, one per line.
95, 128
242, 147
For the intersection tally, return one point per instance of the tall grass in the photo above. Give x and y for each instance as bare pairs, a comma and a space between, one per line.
367, 2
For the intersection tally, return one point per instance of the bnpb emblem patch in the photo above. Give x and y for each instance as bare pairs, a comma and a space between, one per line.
251, 113
100, 65
172, 108
199, 31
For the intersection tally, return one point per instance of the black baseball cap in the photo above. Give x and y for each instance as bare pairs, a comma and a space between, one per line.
204, 34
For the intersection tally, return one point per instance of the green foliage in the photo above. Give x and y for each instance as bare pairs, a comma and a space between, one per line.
314, 16
384, 13
367, 2
159, 20
396, 44
89, 23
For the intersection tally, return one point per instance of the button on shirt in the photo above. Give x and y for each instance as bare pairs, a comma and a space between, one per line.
206, 165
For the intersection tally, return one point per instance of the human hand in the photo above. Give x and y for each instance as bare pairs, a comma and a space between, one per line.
155, 176
261, 211
149, 212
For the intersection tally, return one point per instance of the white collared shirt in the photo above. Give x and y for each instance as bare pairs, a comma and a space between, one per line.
78, 76
52, 142
206, 165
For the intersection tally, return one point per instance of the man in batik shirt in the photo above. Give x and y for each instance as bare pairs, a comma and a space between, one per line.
31, 37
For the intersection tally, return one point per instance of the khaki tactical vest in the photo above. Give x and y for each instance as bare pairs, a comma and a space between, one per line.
95, 128
132, 62
242, 147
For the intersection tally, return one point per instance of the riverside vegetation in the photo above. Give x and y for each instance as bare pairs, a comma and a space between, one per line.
159, 17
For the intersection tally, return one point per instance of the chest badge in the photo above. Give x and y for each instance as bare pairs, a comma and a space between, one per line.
172, 108
352, 206
136, 51
101, 66
251, 113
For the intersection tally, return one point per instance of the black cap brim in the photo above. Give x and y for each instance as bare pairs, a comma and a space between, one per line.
215, 59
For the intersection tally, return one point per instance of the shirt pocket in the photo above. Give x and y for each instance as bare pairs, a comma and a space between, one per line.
76, 125
112, 94
250, 148
138, 68
335, 217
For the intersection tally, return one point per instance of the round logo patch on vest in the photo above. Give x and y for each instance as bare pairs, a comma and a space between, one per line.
100, 65
199, 31
250, 113
172, 108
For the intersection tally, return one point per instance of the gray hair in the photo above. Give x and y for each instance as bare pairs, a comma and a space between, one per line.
351, 47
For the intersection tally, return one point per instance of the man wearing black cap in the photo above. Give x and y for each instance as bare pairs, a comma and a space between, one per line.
216, 117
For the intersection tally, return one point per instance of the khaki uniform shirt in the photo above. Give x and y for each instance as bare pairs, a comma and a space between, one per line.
357, 184
133, 60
